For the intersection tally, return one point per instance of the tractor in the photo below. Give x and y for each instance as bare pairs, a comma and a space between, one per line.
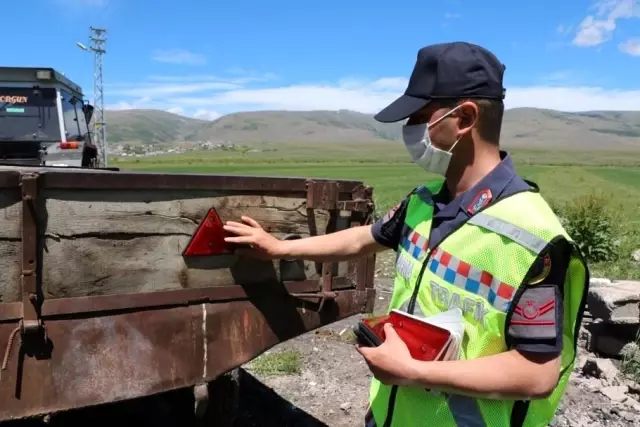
44, 120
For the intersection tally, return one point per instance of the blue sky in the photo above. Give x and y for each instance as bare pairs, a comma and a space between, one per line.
207, 58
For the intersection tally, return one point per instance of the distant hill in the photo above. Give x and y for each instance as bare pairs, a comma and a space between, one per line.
321, 126
532, 127
523, 127
149, 126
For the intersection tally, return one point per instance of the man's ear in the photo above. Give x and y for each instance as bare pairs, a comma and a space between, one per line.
468, 114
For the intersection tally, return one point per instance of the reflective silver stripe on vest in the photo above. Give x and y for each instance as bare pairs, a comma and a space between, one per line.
404, 266
509, 230
417, 311
465, 411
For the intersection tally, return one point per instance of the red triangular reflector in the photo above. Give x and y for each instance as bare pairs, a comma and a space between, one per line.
209, 237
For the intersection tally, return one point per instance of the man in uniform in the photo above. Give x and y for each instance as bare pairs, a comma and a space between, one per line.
482, 240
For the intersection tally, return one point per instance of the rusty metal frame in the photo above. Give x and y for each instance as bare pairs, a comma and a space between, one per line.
326, 195
104, 304
167, 317
31, 299
96, 180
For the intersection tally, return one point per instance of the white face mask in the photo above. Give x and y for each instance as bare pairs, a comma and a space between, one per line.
424, 154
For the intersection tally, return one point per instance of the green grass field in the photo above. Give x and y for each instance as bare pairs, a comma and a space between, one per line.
562, 176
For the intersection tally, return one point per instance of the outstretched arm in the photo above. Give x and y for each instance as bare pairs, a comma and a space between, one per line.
341, 245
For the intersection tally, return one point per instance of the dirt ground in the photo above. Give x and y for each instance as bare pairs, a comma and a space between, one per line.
333, 381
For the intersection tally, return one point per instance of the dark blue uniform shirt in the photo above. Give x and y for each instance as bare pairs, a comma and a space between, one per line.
524, 332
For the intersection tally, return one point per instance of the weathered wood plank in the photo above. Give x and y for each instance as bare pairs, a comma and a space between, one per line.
117, 242
10, 218
10, 213
77, 213
8, 178
96, 266
9, 271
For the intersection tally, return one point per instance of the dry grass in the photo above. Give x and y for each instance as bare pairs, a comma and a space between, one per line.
278, 363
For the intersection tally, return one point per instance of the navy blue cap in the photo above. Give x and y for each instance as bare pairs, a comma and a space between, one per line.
448, 70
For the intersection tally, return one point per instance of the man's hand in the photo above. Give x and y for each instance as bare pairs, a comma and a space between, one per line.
523, 377
391, 363
263, 245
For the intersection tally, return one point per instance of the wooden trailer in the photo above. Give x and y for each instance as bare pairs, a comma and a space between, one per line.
99, 302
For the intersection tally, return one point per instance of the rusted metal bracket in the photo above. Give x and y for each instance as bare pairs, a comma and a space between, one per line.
359, 205
31, 322
327, 292
326, 195
322, 195
321, 297
363, 202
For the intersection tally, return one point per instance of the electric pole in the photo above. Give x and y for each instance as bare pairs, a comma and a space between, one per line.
97, 46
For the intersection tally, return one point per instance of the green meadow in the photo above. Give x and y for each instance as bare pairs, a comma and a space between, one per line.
563, 176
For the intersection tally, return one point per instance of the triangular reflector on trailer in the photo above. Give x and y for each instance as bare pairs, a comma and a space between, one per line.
209, 237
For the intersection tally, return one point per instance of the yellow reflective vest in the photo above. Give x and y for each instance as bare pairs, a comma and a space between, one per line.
482, 267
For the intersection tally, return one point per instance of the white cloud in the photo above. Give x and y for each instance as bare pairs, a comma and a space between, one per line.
179, 56
450, 15
631, 47
397, 84
370, 100
144, 102
122, 105
598, 28
366, 96
176, 110
573, 98
593, 32
159, 90
206, 114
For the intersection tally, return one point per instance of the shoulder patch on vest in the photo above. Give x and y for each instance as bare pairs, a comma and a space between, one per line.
481, 199
534, 317
541, 269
